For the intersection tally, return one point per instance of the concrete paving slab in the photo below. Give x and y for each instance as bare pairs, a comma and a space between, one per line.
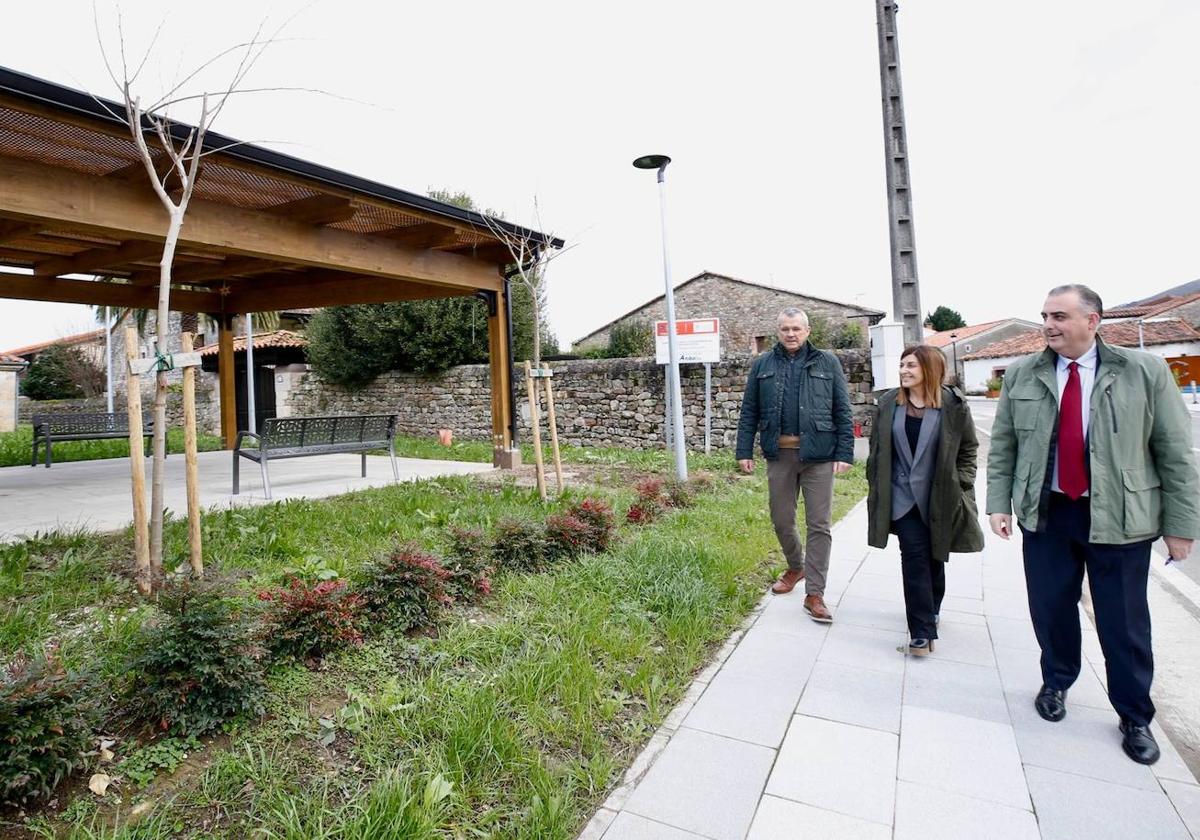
1071, 807
1006, 603
786, 614
1186, 799
966, 643
955, 687
950, 616
780, 656
957, 603
1171, 765
705, 784
853, 695
864, 647
1013, 633
95, 495
868, 612
782, 819
838, 767
923, 813
749, 707
876, 587
629, 826
1021, 674
1086, 742
961, 754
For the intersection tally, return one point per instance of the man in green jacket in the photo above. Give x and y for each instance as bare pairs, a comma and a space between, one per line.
1092, 449
798, 405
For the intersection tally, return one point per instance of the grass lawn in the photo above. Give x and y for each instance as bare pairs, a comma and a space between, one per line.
513, 720
16, 446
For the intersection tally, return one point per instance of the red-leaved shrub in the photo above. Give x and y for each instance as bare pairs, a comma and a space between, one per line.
597, 515
566, 536
308, 621
406, 588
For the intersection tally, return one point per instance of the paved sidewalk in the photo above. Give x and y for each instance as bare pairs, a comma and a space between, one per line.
803, 730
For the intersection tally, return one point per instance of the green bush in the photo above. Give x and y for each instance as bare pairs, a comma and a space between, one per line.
45, 727
630, 339
519, 545
60, 373
406, 588
468, 565
199, 666
307, 621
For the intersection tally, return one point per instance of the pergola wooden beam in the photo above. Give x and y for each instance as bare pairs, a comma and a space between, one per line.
11, 229
286, 294
98, 258
48, 195
98, 292
195, 274
316, 209
423, 235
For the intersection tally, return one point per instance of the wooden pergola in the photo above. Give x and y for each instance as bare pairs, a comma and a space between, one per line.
264, 231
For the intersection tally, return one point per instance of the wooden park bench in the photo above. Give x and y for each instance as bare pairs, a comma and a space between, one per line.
53, 428
295, 437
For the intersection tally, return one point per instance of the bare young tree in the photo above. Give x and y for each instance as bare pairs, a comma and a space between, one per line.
531, 255
172, 155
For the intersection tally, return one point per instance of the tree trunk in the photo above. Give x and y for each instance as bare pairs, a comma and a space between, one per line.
160, 396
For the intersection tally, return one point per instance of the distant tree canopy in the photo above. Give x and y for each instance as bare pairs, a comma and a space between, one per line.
61, 373
351, 345
826, 335
945, 318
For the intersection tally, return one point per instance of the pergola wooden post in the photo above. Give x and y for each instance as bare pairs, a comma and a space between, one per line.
500, 361
225, 380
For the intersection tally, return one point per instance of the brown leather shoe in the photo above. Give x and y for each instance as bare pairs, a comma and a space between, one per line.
787, 581
815, 605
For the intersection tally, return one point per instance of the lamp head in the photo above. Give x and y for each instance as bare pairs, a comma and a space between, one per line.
651, 162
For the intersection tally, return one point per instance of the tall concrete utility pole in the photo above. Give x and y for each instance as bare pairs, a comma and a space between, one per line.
906, 293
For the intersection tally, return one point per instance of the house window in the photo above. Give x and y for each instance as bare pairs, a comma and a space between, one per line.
999, 372
762, 343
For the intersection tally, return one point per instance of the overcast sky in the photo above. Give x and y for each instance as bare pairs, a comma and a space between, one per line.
1050, 142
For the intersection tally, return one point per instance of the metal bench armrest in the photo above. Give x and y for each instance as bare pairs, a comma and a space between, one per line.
243, 435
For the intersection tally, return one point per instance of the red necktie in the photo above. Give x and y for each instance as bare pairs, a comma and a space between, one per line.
1072, 470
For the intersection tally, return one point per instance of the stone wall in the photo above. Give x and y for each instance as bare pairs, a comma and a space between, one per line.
602, 402
747, 311
208, 408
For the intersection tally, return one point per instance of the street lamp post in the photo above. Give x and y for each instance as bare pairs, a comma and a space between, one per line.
954, 351
674, 400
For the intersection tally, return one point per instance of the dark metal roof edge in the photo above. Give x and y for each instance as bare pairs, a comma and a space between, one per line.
24, 86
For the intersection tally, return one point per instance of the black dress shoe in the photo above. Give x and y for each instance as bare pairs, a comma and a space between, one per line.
1138, 743
1051, 704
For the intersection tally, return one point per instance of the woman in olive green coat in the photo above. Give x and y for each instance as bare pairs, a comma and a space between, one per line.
921, 480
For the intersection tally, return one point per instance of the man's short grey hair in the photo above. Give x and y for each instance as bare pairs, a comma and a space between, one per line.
792, 312
1088, 297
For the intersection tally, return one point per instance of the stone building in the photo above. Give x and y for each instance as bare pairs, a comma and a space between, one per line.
957, 343
10, 366
747, 312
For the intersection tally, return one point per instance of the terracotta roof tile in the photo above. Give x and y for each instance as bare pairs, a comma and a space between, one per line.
279, 338
7, 359
1122, 334
942, 339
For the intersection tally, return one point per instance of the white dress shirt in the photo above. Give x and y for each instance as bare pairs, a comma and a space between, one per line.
1087, 378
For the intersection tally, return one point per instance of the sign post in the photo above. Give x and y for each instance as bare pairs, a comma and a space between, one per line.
698, 341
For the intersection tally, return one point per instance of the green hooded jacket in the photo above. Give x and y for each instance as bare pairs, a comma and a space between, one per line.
1142, 473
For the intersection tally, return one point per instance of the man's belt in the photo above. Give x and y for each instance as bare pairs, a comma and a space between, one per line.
789, 441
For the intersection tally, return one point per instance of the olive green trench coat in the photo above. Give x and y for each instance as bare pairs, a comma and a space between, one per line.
953, 515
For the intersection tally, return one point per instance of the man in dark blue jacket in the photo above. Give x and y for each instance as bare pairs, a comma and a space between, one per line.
798, 404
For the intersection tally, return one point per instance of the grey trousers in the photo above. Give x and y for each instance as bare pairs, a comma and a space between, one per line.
787, 477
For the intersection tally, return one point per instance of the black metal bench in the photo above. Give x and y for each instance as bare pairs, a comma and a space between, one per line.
54, 428
295, 437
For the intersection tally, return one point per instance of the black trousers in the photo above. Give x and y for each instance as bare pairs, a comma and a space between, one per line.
924, 577
1055, 560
